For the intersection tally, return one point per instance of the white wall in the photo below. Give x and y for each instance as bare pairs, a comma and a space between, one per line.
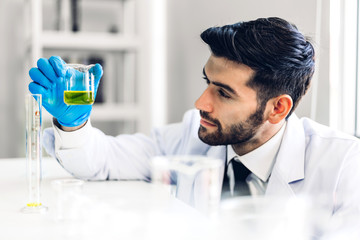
12, 80
187, 54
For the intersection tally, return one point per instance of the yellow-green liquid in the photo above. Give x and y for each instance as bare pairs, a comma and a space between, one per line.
78, 97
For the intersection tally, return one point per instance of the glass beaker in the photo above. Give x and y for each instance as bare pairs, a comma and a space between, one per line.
267, 217
79, 85
68, 198
195, 180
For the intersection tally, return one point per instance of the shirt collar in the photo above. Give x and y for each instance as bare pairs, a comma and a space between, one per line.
261, 160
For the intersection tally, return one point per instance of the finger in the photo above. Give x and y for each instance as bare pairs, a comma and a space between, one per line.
98, 72
46, 68
58, 65
37, 76
35, 88
71, 72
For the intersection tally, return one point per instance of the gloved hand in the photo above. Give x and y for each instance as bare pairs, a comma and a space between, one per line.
49, 80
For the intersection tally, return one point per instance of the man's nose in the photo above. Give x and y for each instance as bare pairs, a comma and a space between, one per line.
204, 102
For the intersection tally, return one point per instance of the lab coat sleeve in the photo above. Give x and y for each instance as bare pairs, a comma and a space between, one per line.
90, 154
347, 200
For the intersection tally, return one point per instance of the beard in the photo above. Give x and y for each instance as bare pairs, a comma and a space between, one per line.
237, 133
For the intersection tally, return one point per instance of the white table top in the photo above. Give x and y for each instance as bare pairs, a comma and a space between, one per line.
113, 210
128, 210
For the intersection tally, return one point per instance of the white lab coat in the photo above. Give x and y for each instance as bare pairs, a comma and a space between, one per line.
312, 160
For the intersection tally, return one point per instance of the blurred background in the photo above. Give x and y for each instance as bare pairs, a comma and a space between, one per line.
153, 57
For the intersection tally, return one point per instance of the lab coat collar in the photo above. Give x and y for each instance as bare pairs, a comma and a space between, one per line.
217, 152
290, 161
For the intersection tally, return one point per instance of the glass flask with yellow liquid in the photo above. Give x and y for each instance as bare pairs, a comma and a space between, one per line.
80, 85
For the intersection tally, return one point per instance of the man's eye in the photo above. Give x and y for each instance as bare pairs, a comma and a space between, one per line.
223, 94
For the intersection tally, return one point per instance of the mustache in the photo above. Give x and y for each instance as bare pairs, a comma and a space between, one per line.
205, 115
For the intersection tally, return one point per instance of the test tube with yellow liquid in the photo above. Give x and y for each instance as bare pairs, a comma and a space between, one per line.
79, 85
33, 104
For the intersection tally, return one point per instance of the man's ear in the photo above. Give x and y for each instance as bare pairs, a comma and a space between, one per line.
280, 107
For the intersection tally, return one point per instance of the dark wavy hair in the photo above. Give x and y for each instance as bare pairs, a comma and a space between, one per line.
282, 57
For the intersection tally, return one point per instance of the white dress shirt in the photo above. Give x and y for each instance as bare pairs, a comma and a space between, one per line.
259, 161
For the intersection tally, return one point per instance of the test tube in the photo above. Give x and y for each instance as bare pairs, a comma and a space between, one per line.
33, 105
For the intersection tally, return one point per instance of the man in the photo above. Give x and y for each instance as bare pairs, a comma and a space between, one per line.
256, 75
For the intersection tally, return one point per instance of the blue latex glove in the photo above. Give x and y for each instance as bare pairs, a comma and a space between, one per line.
49, 80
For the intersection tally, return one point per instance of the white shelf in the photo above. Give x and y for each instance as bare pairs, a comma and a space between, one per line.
88, 40
126, 56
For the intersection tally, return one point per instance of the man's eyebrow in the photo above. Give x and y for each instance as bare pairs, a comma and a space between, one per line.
227, 87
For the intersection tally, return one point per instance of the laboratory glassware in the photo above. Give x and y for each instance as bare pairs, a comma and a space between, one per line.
265, 217
68, 194
193, 179
79, 85
33, 105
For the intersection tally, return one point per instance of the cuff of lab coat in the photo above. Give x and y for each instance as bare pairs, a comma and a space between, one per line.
74, 139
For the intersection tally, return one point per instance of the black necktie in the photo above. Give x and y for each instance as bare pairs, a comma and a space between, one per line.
240, 173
